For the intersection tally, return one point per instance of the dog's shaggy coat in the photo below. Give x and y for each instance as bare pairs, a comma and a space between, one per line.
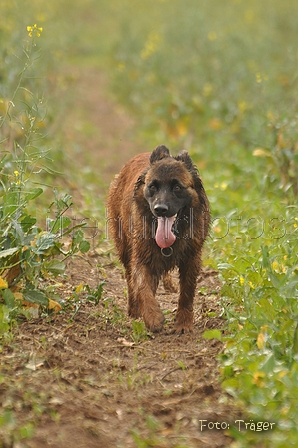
158, 215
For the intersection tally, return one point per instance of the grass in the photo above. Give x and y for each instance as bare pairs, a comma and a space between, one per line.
217, 80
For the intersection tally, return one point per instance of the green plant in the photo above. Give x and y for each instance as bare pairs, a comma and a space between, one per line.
29, 254
139, 331
282, 157
260, 360
95, 295
151, 440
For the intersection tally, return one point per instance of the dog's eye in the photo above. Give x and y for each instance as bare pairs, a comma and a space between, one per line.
152, 188
177, 187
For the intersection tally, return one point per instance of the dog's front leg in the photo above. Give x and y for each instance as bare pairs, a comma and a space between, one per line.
133, 304
188, 280
145, 284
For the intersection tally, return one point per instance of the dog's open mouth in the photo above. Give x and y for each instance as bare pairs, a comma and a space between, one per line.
164, 236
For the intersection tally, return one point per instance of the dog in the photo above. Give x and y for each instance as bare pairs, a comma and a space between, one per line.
158, 216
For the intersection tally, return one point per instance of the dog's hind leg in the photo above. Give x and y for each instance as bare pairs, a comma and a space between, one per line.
188, 280
168, 284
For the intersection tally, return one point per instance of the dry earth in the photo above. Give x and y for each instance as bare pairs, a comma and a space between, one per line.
91, 377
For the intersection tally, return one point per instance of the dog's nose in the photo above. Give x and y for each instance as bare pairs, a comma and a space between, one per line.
161, 209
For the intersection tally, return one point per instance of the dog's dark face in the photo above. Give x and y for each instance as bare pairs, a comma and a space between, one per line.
167, 188
171, 186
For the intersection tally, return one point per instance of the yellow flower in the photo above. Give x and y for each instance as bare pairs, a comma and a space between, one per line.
121, 67
207, 89
151, 45
34, 30
261, 77
79, 287
212, 36
16, 173
241, 281
275, 265
279, 268
242, 106
257, 379
3, 283
261, 341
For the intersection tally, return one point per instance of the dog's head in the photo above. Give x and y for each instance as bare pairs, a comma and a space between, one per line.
171, 185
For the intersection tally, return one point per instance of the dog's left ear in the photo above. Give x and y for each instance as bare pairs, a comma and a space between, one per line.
184, 157
159, 153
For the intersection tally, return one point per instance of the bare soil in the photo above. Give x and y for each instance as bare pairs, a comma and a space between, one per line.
89, 376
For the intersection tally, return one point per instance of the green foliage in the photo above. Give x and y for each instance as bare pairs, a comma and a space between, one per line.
139, 331
95, 295
212, 334
29, 254
196, 77
260, 360
218, 79
152, 439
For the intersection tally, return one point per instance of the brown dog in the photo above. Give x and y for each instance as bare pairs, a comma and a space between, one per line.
159, 217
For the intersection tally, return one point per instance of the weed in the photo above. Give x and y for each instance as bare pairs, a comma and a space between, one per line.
152, 439
95, 295
235, 111
28, 253
139, 331
241, 128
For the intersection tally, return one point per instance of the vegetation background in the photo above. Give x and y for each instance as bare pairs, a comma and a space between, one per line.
218, 79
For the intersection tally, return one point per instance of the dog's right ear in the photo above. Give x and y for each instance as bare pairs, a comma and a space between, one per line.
140, 182
159, 153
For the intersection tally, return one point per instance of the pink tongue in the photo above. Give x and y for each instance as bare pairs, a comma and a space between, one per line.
164, 236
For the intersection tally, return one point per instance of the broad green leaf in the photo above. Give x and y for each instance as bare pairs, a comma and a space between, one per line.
44, 242
34, 296
8, 252
9, 298
212, 334
84, 246
78, 237
27, 223
10, 202
4, 319
62, 223
33, 194
54, 266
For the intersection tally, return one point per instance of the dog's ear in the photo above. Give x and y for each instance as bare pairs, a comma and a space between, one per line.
159, 153
140, 182
184, 157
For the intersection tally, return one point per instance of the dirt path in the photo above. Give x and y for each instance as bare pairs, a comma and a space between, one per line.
90, 377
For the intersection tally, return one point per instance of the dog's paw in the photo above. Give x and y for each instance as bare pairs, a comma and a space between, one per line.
184, 321
154, 321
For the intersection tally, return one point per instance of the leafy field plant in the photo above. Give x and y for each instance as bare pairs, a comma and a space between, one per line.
260, 361
196, 77
29, 254
220, 81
